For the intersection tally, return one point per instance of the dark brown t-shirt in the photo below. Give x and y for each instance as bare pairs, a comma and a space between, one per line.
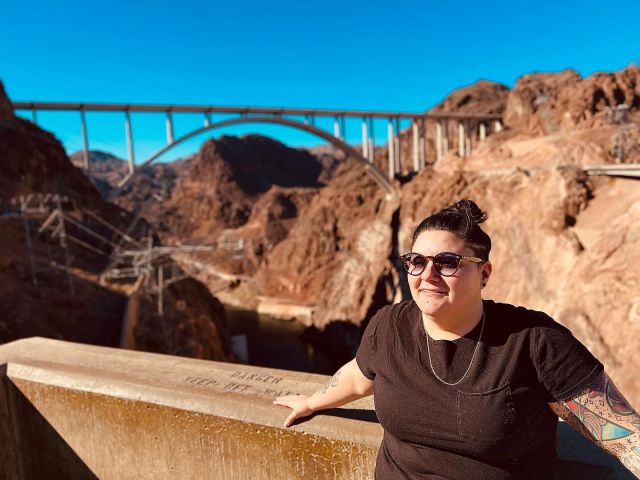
496, 423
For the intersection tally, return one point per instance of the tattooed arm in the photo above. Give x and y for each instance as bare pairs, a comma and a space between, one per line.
604, 416
346, 385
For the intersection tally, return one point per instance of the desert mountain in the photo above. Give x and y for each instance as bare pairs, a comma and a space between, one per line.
152, 184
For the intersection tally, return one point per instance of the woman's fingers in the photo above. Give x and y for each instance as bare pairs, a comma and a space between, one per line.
288, 400
290, 418
298, 405
285, 397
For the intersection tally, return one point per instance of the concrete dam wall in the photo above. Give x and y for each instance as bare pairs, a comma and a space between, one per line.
77, 411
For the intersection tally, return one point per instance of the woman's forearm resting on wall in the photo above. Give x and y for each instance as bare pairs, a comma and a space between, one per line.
346, 385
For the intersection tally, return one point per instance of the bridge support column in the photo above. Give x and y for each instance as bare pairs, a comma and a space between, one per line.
34, 116
423, 143
482, 131
461, 139
365, 138
467, 143
415, 134
127, 127
396, 143
207, 120
343, 128
160, 290
391, 149
372, 146
438, 140
446, 143
336, 127
169, 129
85, 140
497, 126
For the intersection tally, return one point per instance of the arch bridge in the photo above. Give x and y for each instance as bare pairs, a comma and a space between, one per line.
302, 119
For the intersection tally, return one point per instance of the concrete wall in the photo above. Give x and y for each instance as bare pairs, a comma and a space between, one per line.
76, 411
79, 411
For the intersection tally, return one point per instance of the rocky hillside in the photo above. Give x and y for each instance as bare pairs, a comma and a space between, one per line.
40, 295
544, 103
153, 184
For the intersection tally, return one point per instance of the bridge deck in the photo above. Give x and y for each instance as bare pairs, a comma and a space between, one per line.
164, 108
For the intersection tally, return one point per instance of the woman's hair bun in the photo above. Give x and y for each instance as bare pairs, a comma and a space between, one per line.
463, 219
469, 209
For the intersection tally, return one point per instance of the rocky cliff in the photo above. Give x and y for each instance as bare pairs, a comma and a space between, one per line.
39, 293
543, 103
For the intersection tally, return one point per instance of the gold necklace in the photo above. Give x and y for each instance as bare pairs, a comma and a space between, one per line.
475, 350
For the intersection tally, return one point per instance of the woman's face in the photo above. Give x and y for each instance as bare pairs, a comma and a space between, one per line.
446, 297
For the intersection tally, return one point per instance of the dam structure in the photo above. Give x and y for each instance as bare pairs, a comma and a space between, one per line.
75, 411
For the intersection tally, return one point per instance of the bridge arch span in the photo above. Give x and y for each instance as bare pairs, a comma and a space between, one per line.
371, 169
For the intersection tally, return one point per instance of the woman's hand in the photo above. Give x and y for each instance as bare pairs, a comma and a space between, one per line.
346, 385
298, 403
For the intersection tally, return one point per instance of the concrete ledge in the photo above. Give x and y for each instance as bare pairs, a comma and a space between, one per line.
79, 411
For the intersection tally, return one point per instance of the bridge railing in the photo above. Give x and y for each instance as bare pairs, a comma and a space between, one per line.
77, 411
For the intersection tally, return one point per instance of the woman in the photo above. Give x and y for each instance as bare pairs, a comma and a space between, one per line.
468, 388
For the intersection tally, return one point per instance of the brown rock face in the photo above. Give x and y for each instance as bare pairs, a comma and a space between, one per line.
531, 104
144, 193
34, 161
336, 255
40, 300
90, 313
193, 324
6, 109
229, 175
543, 103
481, 97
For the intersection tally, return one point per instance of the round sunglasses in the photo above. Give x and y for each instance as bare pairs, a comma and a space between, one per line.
445, 263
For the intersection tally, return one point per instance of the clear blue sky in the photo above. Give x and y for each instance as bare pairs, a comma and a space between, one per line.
332, 54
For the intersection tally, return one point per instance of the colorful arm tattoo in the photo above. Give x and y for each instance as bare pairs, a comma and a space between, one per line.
604, 416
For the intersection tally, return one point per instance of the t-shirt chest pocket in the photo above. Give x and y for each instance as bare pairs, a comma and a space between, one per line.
486, 416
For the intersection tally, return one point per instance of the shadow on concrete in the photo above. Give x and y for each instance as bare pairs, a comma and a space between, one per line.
44, 453
361, 414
